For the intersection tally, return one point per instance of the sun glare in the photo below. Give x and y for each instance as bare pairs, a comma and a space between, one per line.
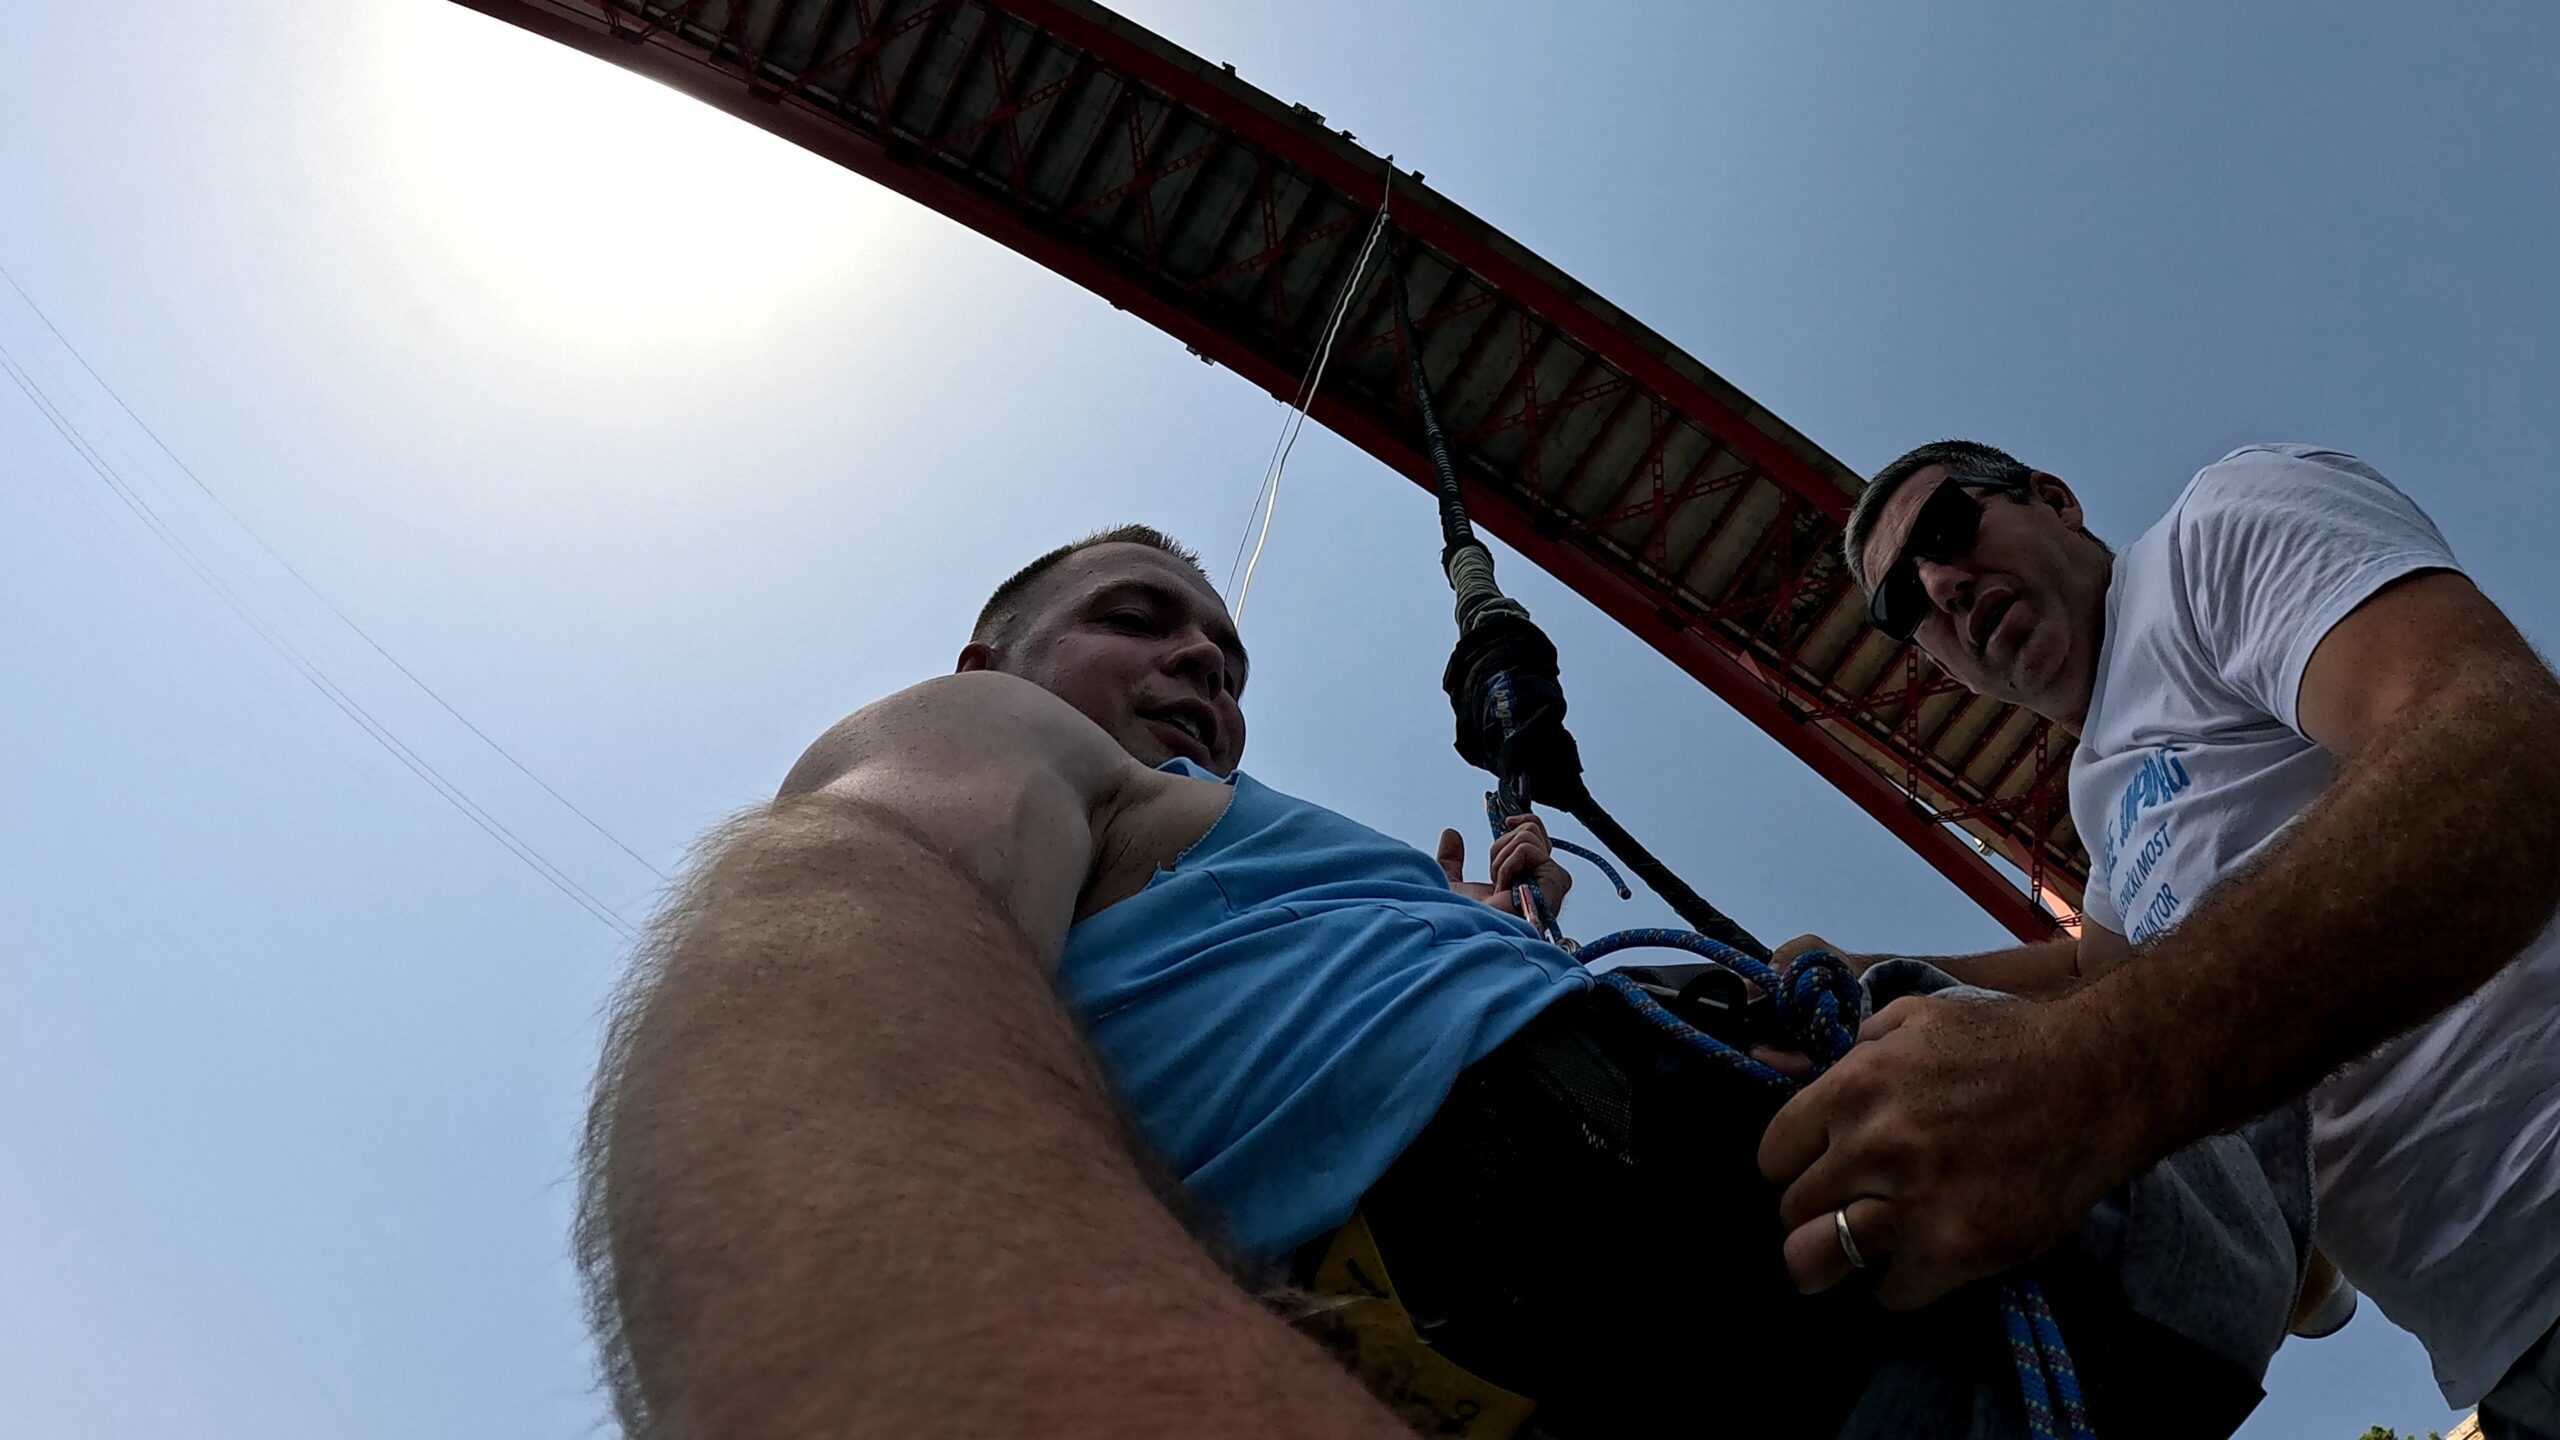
604, 201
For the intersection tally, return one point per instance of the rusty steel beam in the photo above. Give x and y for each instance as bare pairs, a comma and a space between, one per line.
1482, 268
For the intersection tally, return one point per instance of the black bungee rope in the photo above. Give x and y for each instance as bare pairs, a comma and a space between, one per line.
1509, 704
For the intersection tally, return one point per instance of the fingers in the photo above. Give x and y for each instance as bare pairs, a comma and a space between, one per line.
1797, 1135
1794, 1064
1815, 1257
1516, 860
1836, 1177
1803, 945
1787, 953
1889, 1019
1453, 855
1984, 1140
1554, 882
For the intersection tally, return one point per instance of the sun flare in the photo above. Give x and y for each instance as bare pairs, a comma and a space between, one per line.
602, 200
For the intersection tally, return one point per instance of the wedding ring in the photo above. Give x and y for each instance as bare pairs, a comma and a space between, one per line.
1848, 1242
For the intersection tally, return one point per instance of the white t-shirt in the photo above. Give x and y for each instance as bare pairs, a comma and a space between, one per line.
2437, 1157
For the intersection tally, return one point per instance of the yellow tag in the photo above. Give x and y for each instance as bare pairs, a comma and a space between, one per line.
1376, 1339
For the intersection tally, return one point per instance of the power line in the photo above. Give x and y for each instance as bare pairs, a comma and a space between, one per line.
161, 529
288, 567
347, 704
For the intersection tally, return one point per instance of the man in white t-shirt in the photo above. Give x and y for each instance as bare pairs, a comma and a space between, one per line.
2319, 778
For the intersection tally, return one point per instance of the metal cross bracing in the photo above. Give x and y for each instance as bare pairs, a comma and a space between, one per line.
1592, 446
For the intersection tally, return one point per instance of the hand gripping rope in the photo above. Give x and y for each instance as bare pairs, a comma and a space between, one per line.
1819, 1005
1509, 703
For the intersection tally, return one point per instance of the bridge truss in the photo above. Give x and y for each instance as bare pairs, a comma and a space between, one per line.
1589, 444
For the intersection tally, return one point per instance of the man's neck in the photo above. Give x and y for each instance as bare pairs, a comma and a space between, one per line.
2074, 715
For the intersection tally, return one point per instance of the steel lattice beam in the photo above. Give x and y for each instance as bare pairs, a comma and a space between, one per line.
1227, 218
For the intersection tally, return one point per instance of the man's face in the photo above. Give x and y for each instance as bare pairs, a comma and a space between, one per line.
2020, 615
1135, 640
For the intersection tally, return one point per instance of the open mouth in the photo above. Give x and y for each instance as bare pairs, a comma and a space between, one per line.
1986, 621
1194, 726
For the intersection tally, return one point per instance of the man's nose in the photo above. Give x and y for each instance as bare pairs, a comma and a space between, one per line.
1199, 657
1949, 587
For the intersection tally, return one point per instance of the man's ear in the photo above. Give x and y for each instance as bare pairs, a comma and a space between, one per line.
2050, 490
974, 656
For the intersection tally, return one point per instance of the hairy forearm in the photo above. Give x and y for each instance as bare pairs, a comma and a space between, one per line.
857, 1175
2424, 868
2040, 971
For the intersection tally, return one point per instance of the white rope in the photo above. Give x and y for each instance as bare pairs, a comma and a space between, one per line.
1266, 501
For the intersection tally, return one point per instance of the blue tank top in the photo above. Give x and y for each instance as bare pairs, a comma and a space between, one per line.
1285, 1005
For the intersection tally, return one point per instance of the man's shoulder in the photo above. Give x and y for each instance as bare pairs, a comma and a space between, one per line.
970, 722
2263, 510
2273, 474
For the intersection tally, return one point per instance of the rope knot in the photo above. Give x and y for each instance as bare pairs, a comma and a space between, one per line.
1820, 1003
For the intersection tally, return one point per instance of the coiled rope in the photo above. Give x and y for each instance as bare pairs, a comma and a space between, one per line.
1820, 1006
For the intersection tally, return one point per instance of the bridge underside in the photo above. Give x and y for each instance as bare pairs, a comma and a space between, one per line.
1587, 442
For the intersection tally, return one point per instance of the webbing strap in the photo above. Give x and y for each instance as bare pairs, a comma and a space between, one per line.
1374, 1336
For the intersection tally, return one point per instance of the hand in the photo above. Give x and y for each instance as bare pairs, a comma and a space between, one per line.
1521, 853
1786, 954
1964, 1138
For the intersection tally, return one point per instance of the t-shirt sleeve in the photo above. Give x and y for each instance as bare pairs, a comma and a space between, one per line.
2277, 545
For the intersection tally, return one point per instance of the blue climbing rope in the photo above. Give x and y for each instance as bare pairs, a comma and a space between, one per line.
1596, 858
1820, 1005
2028, 1296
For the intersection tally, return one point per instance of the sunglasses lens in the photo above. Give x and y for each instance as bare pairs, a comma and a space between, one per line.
1900, 603
1943, 530
1945, 527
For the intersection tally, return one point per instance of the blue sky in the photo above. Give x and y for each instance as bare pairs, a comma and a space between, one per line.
654, 446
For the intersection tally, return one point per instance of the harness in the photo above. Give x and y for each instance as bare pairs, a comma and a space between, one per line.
1508, 700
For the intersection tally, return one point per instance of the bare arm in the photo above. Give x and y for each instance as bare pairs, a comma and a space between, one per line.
2425, 867
1966, 1138
2035, 971
2041, 971
852, 1169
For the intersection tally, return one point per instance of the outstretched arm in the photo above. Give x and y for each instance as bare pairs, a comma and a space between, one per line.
851, 1168
1964, 1138
2039, 971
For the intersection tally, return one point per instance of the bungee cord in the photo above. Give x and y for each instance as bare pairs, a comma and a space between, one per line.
1504, 691
1509, 705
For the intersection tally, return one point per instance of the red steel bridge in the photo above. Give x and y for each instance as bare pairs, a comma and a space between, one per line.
1589, 444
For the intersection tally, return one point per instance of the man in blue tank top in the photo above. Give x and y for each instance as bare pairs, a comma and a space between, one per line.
853, 1167
1288, 1000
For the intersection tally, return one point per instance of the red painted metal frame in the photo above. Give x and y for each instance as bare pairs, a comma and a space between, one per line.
1759, 694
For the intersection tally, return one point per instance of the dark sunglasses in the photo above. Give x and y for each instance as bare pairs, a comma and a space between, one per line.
1944, 530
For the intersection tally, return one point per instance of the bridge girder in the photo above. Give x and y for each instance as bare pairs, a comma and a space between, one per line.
1594, 447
